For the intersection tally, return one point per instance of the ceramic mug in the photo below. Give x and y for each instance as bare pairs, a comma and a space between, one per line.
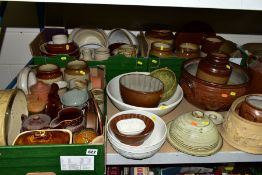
251, 108
59, 39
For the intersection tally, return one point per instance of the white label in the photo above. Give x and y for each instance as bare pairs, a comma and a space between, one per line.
77, 163
91, 152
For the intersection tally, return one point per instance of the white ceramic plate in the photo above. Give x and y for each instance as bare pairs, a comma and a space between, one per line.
122, 36
163, 108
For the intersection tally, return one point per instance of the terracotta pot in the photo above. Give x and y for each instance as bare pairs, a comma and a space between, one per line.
212, 96
251, 108
40, 90
188, 50
215, 68
76, 70
242, 134
49, 73
161, 50
159, 36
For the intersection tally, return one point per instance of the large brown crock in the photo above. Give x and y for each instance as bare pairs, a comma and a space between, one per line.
212, 96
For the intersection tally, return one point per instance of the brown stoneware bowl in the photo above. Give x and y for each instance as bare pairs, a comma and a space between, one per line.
211, 96
133, 140
141, 90
61, 48
251, 108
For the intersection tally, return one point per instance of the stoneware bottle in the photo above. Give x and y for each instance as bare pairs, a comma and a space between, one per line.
215, 68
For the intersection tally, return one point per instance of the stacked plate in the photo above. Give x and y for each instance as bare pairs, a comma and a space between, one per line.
150, 146
113, 91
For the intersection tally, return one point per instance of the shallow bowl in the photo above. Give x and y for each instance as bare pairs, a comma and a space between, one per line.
74, 98
61, 48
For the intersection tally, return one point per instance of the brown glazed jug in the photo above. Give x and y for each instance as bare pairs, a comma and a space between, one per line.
215, 68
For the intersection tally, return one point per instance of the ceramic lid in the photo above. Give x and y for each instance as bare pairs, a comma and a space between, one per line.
194, 133
36, 121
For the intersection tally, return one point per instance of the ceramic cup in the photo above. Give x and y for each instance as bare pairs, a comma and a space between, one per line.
59, 39
211, 44
251, 108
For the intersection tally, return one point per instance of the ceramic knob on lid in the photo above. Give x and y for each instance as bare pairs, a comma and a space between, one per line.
35, 122
215, 68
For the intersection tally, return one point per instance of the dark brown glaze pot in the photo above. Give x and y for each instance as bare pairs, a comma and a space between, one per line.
212, 96
161, 50
211, 44
75, 53
49, 73
251, 108
215, 68
188, 50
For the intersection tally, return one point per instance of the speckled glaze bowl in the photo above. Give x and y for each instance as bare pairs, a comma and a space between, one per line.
168, 78
194, 134
141, 90
212, 96
241, 133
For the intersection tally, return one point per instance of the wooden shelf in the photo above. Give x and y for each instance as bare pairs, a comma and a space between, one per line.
169, 155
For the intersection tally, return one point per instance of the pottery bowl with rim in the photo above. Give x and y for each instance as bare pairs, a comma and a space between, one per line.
141, 90
134, 140
241, 133
113, 92
168, 77
74, 98
195, 134
213, 96
149, 147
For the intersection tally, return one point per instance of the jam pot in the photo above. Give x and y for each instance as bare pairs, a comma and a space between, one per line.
35, 122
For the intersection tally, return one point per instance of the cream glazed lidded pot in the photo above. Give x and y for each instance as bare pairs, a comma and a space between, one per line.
194, 133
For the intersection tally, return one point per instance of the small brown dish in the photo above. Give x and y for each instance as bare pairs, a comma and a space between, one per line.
61, 48
134, 140
84, 136
141, 90
51, 136
251, 108
75, 53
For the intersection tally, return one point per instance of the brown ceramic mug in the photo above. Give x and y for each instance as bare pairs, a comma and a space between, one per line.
211, 44
251, 108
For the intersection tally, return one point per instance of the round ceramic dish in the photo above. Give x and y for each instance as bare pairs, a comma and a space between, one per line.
168, 77
75, 53
13, 105
241, 133
89, 36
50, 136
212, 96
150, 146
75, 97
194, 134
113, 91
